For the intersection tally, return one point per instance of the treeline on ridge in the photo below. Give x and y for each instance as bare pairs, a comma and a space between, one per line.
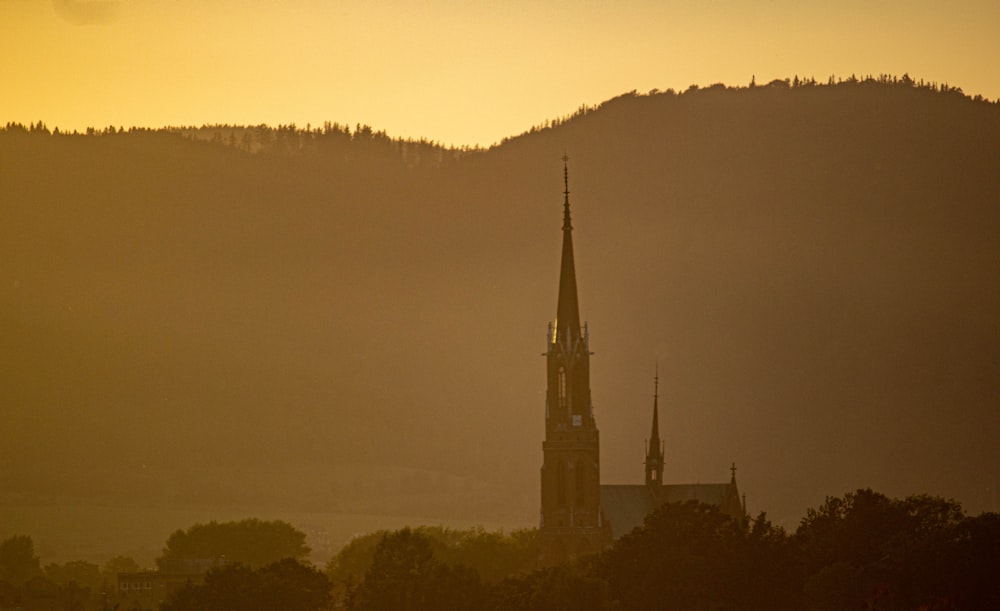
334, 136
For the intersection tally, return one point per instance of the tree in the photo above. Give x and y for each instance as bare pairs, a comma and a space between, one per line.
492, 555
119, 564
866, 549
252, 542
18, 562
83, 574
400, 565
841, 543
692, 556
976, 561
349, 566
569, 587
667, 562
404, 576
287, 585
757, 568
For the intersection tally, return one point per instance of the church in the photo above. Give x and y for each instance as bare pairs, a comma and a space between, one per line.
579, 515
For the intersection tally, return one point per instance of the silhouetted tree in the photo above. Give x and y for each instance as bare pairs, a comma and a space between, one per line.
868, 549
252, 542
18, 562
673, 560
82, 573
286, 585
492, 555
120, 564
975, 562
404, 576
567, 587
691, 556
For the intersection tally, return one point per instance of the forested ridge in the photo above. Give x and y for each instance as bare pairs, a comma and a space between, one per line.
330, 318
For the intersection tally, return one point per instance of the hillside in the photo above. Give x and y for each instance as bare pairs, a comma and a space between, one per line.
354, 323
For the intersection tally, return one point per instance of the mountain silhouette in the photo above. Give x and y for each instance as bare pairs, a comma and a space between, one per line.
330, 318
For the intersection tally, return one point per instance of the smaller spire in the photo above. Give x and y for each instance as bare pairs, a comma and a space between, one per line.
654, 436
654, 453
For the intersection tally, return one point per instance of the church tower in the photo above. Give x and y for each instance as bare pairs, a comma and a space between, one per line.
654, 447
571, 520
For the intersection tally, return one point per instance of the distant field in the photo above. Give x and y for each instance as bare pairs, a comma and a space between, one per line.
94, 531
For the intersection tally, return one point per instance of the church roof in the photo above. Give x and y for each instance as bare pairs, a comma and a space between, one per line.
710, 494
625, 506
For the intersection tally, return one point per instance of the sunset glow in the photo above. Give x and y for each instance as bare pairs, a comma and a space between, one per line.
461, 73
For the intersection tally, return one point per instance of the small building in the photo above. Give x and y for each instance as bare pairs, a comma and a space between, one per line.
149, 589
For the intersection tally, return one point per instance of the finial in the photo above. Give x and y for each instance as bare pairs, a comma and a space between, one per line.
733, 469
566, 219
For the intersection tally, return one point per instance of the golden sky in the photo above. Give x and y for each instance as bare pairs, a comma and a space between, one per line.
460, 72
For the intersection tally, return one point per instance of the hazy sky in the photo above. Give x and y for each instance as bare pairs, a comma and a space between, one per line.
458, 72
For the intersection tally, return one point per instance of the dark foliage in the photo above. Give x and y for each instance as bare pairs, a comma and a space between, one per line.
862, 551
286, 585
866, 549
567, 587
404, 576
18, 562
492, 555
251, 542
73, 586
690, 556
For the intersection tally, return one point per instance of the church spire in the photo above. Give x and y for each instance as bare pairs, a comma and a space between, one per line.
568, 308
654, 451
571, 519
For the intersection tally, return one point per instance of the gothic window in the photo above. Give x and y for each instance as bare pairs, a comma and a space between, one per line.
581, 483
562, 388
561, 483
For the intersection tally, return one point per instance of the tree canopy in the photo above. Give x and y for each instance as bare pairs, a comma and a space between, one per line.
405, 576
286, 584
18, 562
862, 550
493, 555
252, 542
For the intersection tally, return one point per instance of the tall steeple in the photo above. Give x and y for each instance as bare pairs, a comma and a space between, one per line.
568, 350
654, 449
567, 325
571, 521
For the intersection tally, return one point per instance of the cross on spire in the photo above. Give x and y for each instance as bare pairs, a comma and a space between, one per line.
733, 470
